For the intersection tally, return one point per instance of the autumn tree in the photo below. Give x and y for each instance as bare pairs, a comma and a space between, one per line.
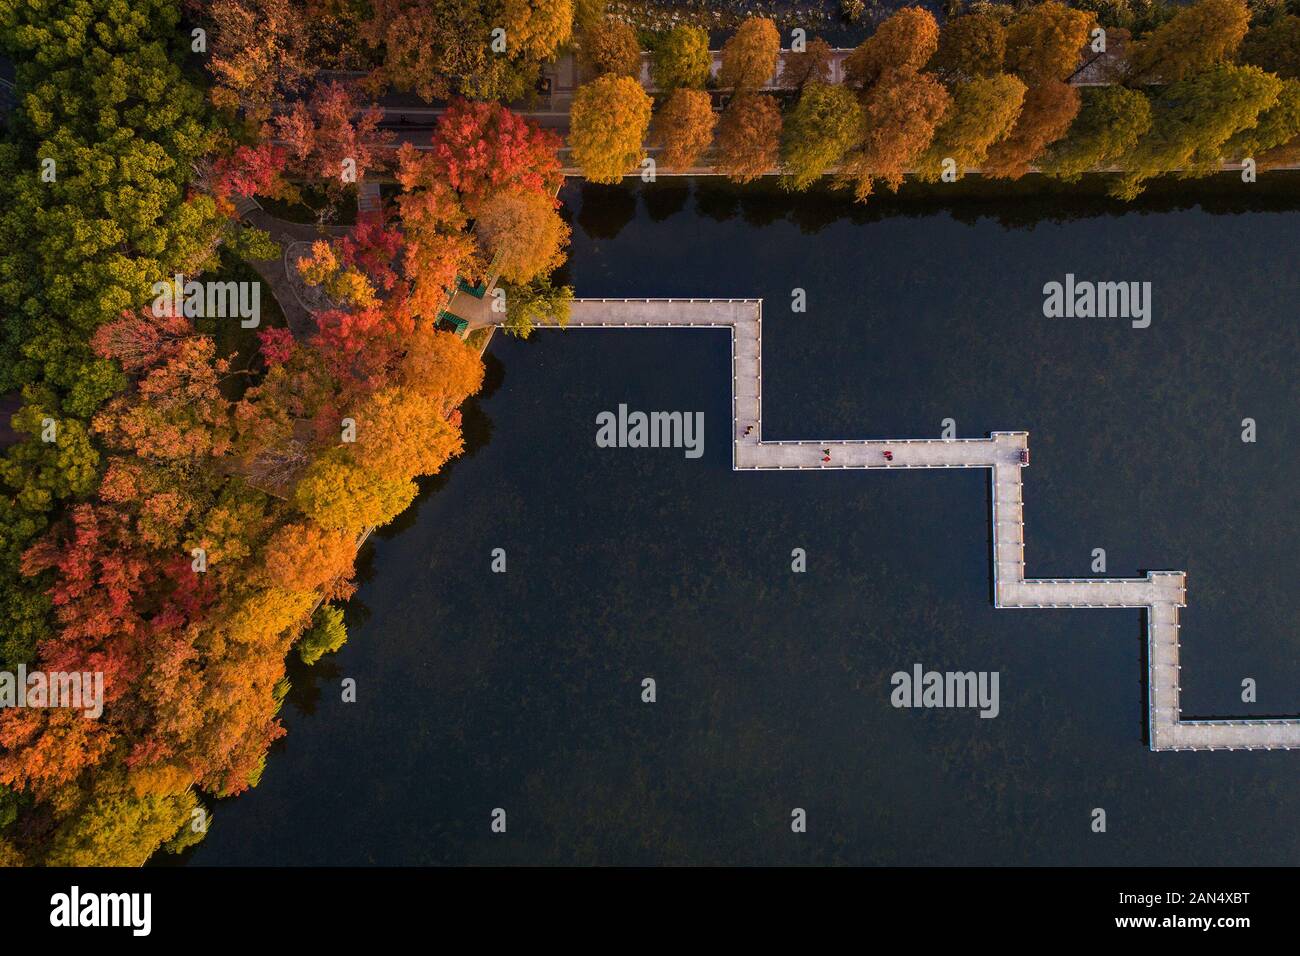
970, 46
903, 43
522, 234
1195, 39
749, 137
811, 65
1046, 42
824, 124
403, 435
483, 148
436, 248
608, 122
1274, 47
749, 56
303, 556
1110, 123
683, 128
331, 137
983, 112
177, 410
339, 494
441, 47
101, 594
251, 171
1193, 119
441, 367
901, 112
613, 48
536, 28
260, 53
1049, 109
682, 59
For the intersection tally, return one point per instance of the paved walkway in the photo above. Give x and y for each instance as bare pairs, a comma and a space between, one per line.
1005, 454
281, 274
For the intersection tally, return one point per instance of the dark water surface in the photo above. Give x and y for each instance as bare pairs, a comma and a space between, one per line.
522, 690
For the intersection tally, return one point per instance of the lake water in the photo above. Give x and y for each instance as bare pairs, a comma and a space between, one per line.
522, 690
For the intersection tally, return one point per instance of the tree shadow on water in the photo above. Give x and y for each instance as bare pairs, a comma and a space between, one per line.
605, 210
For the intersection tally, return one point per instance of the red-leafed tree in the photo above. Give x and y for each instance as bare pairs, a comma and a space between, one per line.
360, 346
140, 340
251, 171
277, 345
433, 222
332, 137
102, 583
482, 149
373, 246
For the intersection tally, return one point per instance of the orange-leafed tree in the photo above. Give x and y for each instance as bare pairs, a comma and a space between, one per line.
1046, 42
749, 56
810, 65
522, 234
608, 123
1049, 109
403, 435
901, 112
612, 48
902, 43
303, 556
441, 367
683, 128
259, 53
749, 137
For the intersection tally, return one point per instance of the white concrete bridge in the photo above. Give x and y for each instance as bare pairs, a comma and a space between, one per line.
1160, 593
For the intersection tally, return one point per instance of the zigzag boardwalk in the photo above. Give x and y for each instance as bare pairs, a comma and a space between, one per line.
1161, 593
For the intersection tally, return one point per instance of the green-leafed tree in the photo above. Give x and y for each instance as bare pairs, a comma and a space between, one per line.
94, 205
1194, 119
983, 112
325, 636
682, 59
820, 129
536, 303
1277, 126
1110, 122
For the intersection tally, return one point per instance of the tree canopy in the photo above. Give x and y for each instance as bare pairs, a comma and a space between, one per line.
608, 123
749, 56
